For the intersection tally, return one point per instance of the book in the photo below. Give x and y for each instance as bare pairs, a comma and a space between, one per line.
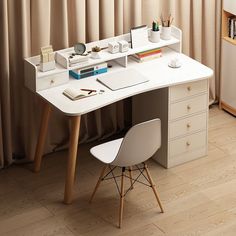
75, 94
147, 58
231, 27
149, 52
78, 59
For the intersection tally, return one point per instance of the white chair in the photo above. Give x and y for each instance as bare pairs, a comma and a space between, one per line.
138, 145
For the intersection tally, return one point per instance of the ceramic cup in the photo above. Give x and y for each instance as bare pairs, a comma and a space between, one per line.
175, 62
155, 36
166, 33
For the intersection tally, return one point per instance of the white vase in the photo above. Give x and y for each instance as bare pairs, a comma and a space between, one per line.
155, 36
166, 33
95, 55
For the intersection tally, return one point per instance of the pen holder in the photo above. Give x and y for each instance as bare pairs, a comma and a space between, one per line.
166, 33
155, 36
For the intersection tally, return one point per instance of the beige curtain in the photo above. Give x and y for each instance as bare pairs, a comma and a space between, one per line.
26, 25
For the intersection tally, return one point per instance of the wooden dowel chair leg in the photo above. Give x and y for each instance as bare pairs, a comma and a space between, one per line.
98, 183
153, 187
121, 198
131, 177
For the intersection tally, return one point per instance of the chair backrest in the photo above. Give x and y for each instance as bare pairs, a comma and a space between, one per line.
139, 144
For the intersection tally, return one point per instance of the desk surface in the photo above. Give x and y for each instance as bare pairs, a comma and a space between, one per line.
158, 72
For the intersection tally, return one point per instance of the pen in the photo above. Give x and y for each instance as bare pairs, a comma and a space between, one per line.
89, 90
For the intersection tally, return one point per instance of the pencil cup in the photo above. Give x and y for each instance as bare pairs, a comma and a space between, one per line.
155, 36
166, 33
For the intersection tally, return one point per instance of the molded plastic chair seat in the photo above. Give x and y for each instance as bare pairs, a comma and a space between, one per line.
107, 152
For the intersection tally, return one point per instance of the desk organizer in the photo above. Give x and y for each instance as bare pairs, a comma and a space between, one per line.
36, 80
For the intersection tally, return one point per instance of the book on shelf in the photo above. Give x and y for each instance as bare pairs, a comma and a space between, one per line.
149, 52
147, 55
232, 27
147, 58
78, 59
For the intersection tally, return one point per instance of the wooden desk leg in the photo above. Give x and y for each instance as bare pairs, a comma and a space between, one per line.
70, 175
42, 137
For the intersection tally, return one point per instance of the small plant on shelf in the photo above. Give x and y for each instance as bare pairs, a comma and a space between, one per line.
96, 49
155, 32
95, 52
155, 26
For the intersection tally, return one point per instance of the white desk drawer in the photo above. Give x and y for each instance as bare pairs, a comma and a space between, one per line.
188, 107
186, 90
188, 125
187, 144
52, 80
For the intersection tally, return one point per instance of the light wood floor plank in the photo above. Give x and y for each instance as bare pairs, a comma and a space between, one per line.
199, 197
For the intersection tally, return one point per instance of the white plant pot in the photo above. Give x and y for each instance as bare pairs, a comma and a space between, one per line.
166, 33
155, 36
95, 55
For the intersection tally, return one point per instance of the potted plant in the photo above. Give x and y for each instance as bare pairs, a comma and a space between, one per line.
95, 52
155, 32
166, 27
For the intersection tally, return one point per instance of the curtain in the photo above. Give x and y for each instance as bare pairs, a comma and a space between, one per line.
27, 25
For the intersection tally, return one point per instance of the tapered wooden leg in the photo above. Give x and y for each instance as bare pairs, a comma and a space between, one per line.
121, 198
98, 183
153, 187
42, 137
70, 175
131, 177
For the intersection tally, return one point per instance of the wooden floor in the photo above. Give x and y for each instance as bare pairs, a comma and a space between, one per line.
199, 197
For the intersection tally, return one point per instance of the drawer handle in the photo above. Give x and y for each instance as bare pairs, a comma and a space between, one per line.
188, 144
52, 81
189, 88
189, 107
188, 125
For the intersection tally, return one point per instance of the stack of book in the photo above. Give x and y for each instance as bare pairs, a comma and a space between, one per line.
147, 55
232, 27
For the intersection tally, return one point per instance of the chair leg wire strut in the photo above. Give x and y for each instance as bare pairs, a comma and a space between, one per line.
111, 175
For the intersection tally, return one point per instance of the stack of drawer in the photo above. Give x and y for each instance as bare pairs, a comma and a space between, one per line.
187, 123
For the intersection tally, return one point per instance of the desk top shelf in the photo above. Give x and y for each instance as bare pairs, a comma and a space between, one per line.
105, 55
36, 80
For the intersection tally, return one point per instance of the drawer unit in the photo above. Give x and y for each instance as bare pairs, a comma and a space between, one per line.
187, 144
188, 125
188, 107
51, 81
183, 91
37, 80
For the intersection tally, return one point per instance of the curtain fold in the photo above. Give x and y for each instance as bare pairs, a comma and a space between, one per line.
27, 25
5, 101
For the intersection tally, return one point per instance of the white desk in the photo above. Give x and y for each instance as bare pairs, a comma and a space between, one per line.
160, 77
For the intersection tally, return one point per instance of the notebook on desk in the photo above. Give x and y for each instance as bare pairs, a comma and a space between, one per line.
122, 79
